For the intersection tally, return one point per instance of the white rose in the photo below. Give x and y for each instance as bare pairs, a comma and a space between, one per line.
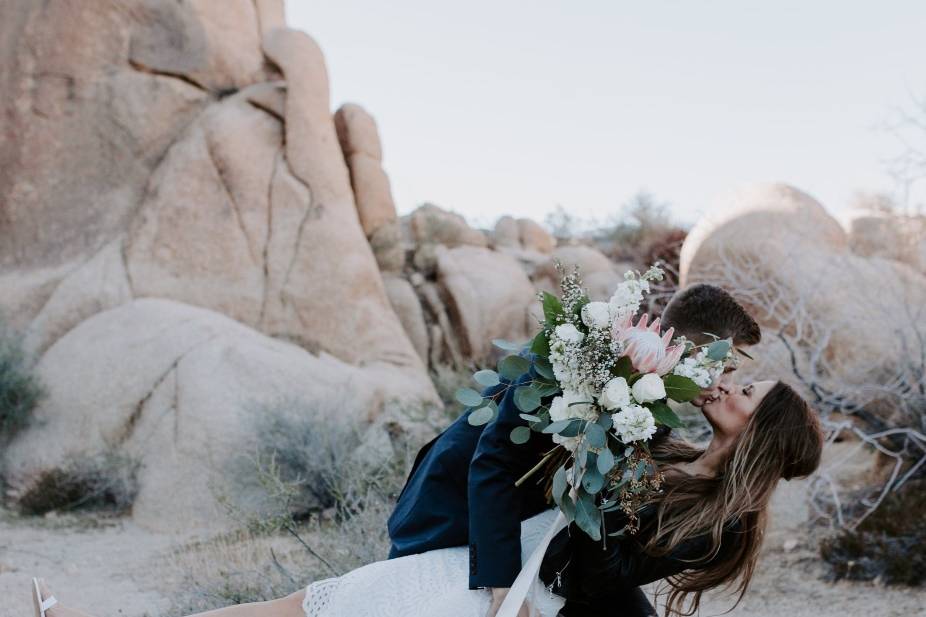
615, 394
568, 333
572, 404
634, 423
596, 315
649, 388
579, 405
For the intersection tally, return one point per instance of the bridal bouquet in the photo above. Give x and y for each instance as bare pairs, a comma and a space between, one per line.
600, 383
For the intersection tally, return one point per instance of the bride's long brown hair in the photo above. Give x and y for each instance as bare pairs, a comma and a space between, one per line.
782, 439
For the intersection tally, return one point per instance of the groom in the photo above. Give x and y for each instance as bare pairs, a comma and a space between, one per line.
461, 489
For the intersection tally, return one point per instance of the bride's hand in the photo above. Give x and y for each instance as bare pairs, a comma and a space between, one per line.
498, 596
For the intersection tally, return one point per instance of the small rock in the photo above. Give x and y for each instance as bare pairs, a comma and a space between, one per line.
790, 544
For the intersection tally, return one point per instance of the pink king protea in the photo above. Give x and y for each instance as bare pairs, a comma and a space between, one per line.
648, 352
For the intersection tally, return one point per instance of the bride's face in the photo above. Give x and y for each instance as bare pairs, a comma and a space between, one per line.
730, 410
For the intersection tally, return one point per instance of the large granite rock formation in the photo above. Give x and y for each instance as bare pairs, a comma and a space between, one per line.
184, 152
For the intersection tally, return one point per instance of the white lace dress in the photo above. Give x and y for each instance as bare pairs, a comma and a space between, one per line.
432, 584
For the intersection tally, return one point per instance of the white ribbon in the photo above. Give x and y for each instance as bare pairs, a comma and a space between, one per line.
522, 585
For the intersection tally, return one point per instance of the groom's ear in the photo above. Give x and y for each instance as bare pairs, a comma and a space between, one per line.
707, 308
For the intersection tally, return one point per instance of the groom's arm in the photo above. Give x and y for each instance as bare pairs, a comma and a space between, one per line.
495, 505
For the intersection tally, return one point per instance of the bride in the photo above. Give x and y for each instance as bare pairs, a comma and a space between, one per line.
703, 530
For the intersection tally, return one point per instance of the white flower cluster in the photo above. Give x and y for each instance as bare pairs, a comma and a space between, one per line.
628, 296
582, 362
596, 315
634, 423
700, 369
566, 354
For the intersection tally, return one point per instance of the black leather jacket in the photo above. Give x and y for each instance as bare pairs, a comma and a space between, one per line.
592, 575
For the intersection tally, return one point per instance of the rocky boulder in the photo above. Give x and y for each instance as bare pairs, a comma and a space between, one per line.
180, 389
430, 224
363, 151
488, 296
781, 254
599, 274
533, 237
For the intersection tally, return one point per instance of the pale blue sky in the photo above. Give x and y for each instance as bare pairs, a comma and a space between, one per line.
511, 107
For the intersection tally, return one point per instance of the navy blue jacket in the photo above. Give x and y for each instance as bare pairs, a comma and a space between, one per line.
461, 492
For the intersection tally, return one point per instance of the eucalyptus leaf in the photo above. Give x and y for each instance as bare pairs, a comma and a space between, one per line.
566, 428
568, 507
605, 462
540, 426
526, 398
520, 435
639, 471
512, 367
543, 367
486, 377
663, 414
560, 486
507, 345
592, 481
680, 389
469, 397
545, 389
605, 421
628, 451
588, 517
530, 417
481, 416
596, 436
718, 350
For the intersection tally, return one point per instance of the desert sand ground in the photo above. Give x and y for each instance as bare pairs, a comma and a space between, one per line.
110, 568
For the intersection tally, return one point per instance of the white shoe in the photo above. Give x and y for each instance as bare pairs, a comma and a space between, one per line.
40, 605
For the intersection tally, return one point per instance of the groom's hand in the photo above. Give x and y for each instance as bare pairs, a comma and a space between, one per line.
498, 596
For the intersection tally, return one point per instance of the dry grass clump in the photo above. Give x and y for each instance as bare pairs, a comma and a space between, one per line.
324, 489
103, 482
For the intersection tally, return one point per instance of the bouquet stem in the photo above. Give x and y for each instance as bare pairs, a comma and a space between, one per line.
537, 467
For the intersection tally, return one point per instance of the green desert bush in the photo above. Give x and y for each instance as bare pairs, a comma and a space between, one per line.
20, 389
889, 545
103, 482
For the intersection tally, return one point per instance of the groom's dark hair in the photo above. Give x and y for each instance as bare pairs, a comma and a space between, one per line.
706, 308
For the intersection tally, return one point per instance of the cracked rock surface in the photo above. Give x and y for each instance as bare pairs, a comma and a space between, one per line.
180, 241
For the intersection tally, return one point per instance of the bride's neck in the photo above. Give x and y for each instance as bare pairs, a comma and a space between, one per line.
710, 461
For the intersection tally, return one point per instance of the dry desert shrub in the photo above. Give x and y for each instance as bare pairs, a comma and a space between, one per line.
325, 493
105, 482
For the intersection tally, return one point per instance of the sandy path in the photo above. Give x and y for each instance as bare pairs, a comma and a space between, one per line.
100, 568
